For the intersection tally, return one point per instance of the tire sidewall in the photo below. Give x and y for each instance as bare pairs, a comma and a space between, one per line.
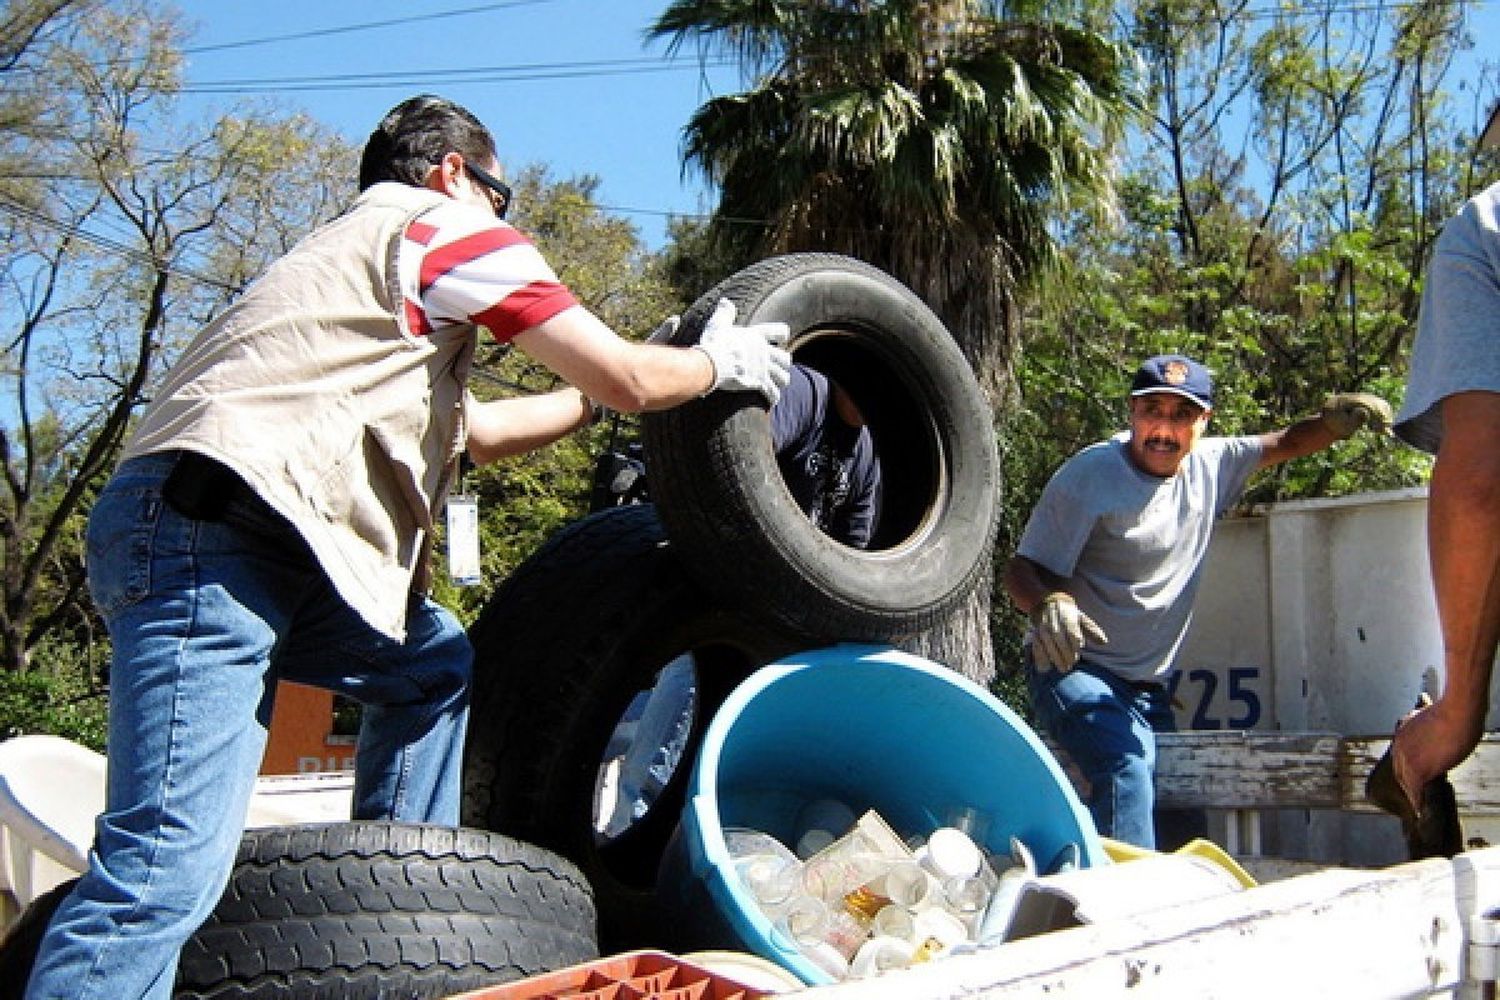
720, 493
559, 654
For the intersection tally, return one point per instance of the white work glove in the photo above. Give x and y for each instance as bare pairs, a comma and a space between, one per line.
663, 333
746, 357
1058, 631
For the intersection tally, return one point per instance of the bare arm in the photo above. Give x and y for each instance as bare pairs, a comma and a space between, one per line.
1303, 438
507, 427
1463, 540
622, 375
1342, 414
1028, 584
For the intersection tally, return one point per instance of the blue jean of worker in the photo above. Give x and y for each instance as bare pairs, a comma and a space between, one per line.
205, 616
1107, 727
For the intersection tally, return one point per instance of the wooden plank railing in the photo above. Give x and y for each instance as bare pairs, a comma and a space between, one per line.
1275, 770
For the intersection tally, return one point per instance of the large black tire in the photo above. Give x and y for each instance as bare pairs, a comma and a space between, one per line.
18, 950
367, 911
735, 525
564, 645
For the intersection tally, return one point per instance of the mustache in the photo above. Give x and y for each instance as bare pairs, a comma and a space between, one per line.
1164, 442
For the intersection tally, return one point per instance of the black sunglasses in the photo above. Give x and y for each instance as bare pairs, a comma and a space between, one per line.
499, 191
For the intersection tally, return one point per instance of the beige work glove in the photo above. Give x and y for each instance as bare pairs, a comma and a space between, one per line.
1347, 412
1058, 632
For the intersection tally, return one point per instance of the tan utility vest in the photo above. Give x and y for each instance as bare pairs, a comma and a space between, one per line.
315, 391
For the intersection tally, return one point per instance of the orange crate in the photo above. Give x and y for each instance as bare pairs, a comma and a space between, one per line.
636, 975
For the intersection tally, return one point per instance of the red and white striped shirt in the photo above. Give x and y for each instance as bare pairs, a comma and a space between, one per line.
458, 264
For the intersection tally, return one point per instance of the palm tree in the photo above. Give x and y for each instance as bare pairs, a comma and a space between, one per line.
939, 141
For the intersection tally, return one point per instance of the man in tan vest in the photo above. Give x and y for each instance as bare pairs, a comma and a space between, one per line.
271, 518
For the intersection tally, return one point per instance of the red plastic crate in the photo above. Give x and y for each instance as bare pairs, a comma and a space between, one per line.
636, 975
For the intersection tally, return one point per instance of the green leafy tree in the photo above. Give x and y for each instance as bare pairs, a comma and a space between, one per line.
1292, 265
125, 228
1276, 217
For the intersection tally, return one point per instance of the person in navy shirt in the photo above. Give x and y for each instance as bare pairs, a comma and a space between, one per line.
828, 461
826, 456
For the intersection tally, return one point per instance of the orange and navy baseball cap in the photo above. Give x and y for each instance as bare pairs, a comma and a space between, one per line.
1177, 374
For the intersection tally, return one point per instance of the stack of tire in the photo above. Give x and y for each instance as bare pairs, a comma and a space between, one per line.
722, 564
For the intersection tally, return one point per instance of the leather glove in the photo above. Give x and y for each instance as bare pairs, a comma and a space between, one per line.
746, 357
1347, 412
663, 334
1059, 629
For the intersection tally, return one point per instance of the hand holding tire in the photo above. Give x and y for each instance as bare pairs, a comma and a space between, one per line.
1059, 629
746, 357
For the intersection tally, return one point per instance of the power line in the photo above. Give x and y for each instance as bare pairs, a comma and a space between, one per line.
662, 212
528, 72
131, 253
112, 246
1354, 8
1248, 14
363, 26
473, 75
522, 72
604, 66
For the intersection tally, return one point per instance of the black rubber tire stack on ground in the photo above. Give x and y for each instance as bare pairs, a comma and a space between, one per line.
368, 910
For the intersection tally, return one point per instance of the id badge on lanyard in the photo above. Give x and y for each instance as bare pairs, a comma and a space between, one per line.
463, 539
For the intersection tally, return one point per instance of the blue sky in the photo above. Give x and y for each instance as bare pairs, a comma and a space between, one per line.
568, 83
529, 68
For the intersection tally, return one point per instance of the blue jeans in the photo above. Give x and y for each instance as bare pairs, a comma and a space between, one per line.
205, 617
1108, 727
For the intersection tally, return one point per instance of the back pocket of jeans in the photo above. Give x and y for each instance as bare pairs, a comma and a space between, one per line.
121, 533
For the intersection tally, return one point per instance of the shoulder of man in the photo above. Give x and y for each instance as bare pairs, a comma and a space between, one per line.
1087, 473
1098, 457
1233, 448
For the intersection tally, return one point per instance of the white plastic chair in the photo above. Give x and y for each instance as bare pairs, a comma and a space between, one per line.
50, 791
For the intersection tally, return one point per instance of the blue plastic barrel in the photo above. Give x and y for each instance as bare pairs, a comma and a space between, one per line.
877, 729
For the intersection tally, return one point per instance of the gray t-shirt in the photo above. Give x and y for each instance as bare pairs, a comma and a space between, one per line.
1131, 545
1458, 330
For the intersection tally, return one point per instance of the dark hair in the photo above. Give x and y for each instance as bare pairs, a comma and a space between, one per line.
418, 133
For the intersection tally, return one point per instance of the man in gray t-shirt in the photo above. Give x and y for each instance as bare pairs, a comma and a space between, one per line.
1109, 564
